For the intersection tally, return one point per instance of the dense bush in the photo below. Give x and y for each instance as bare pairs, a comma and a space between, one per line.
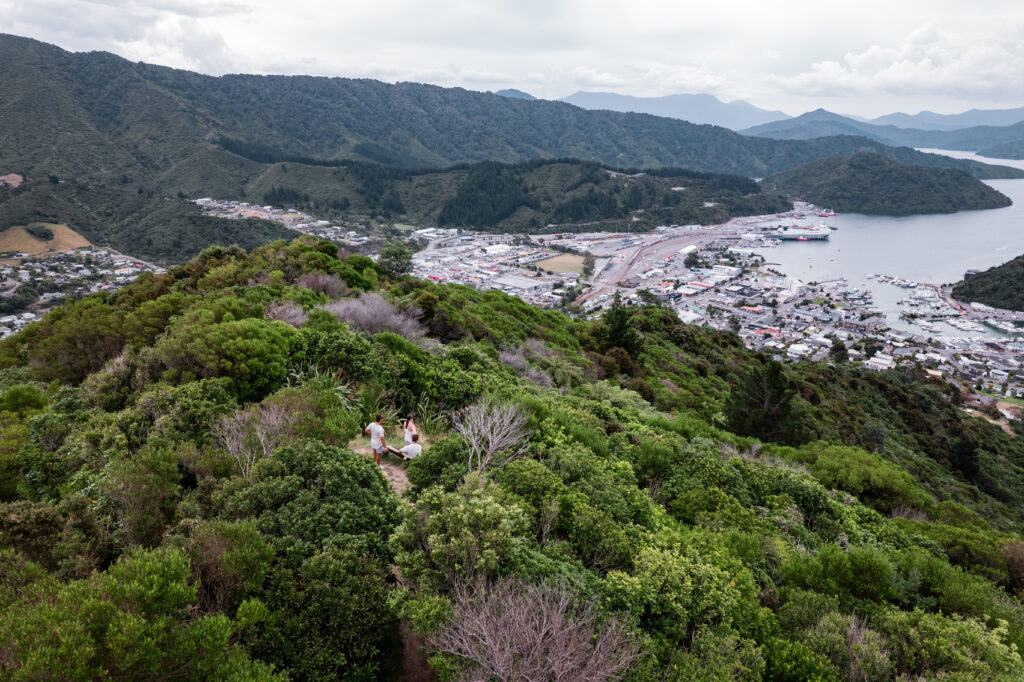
815, 544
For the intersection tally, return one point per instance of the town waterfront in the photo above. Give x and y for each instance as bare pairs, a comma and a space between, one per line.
924, 248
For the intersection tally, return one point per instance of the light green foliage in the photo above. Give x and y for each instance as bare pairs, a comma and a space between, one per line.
873, 480
676, 591
719, 655
929, 644
132, 621
857, 651
459, 537
860, 573
188, 412
445, 462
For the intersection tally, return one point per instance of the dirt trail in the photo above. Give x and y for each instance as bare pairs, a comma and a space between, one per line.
415, 667
393, 471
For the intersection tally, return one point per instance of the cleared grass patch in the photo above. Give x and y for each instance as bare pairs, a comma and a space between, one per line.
17, 239
565, 262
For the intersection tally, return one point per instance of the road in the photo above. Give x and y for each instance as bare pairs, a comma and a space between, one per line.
657, 247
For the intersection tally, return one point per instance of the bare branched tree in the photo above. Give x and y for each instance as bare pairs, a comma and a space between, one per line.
373, 313
285, 311
492, 429
251, 435
516, 358
330, 285
520, 631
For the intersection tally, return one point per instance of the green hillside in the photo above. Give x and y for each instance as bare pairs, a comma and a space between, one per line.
117, 127
186, 488
114, 117
1001, 286
870, 183
516, 197
143, 223
486, 195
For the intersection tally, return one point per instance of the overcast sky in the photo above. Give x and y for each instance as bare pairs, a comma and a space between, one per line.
867, 58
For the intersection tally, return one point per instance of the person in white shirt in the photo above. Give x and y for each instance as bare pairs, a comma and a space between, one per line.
410, 429
376, 433
413, 449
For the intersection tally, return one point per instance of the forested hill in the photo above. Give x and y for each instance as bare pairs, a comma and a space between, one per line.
99, 116
870, 183
535, 195
185, 488
1001, 286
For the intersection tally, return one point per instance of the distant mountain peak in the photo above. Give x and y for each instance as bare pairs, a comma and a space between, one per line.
700, 108
515, 94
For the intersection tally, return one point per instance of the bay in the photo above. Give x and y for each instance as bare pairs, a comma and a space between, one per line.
937, 249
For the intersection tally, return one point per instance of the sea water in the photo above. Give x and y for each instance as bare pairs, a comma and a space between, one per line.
937, 249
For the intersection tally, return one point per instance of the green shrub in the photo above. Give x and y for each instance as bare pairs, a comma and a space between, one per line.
457, 537
131, 622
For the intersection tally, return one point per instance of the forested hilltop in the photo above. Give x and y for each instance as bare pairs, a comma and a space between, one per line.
181, 496
870, 183
528, 196
1000, 287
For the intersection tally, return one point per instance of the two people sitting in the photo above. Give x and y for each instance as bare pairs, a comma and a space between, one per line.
379, 446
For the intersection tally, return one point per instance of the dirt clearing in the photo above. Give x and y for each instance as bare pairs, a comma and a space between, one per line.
564, 263
18, 240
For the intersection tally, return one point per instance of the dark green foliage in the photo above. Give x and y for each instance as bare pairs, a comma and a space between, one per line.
1000, 287
868, 182
489, 194
22, 399
309, 497
251, 353
330, 617
40, 232
157, 226
761, 405
281, 196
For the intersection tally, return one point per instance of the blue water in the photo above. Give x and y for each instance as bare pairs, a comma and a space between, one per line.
929, 248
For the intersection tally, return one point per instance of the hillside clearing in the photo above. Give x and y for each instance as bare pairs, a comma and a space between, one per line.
17, 239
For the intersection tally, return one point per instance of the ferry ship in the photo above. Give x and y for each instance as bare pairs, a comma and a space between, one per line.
802, 234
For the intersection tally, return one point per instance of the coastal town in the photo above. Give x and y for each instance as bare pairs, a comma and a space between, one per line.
717, 275
713, 275
32, 284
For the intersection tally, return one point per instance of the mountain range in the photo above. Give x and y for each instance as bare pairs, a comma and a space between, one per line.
106, 144
986, 140
927, 120
695, 108
100, 116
